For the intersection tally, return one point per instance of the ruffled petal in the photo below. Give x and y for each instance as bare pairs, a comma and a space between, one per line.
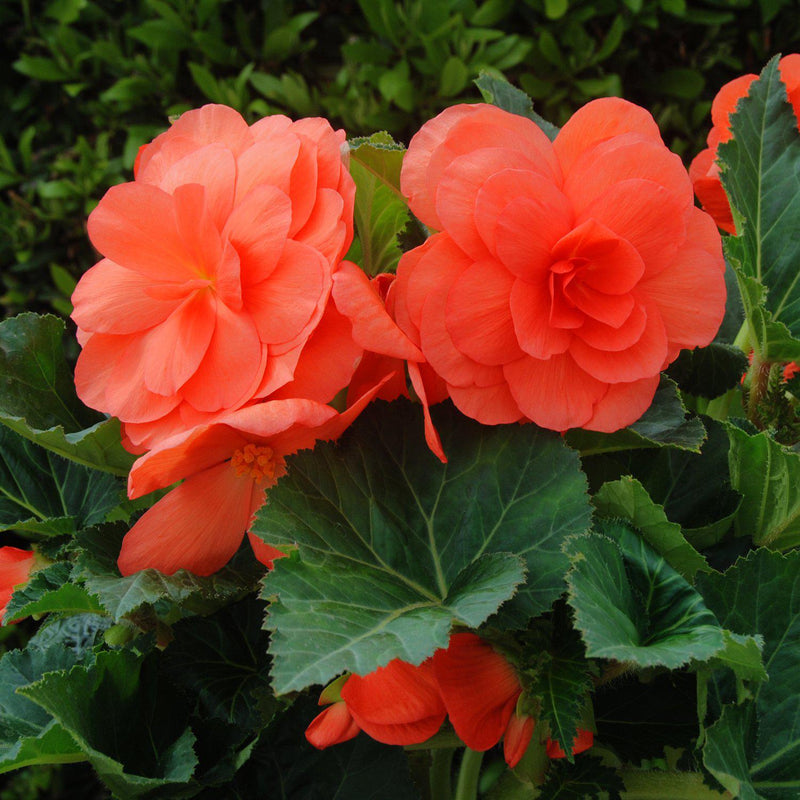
622, 405
530, 305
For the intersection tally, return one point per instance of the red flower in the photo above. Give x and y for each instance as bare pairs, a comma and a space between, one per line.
216, 276
703, 170
565, 275
583, 741
15, 569
395, 704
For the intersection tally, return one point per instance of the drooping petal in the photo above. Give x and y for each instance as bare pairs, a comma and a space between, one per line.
396, 704
432, 438
517, 738
373, 328
265, 553
479, 689
197, 526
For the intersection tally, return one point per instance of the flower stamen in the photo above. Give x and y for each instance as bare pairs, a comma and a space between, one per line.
258, 462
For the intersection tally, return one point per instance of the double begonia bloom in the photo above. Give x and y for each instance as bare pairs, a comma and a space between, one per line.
217, 272
226, 466
703, 170
565, 275
396, 704
15, 569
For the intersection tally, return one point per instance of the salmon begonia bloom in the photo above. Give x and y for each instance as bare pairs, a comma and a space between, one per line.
226, 465
396, 704
216, 274
15, 569
565, 275
703, 170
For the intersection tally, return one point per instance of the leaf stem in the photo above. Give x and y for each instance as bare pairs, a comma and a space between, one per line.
468, 775
441, 766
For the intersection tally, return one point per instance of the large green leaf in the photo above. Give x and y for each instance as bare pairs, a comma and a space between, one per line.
664, 424
760, 170
709, 371
28, 734
756, 746
768, 476
630, 605
222, 661
393, 545
628, 499
38, 400
139, 743
49, 590
381, 212
285, 765
96, 565
45, 494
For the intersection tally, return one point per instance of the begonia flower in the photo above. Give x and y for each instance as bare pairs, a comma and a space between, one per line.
216, 273
703, 170
15, 569
583, 740
565, 275
226, 466
396, 704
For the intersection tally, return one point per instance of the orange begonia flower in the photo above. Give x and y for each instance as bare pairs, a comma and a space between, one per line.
565, 275
226, 466
703, 170
396, 704
15, 569
217, 271
480, 689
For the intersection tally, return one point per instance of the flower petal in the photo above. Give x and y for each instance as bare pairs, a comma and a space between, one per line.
332, 726
622, 405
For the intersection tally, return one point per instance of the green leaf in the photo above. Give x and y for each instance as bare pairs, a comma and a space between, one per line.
139, 745
285, 765
45, 494
760, 170
38, 400
664, 424
709, 371
48, 591
630, 605
96, 565
756, 746
629, 500
768, 476
380, 213
222, 661
584, 779
393, 544
501, 93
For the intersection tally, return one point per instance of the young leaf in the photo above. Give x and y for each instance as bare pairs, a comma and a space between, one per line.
140, 744
768, 477
380, 213
628, 499
38, 400
630, 605
393, 544
45, 494
760, 169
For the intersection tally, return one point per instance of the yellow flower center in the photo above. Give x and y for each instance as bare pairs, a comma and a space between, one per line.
258, 462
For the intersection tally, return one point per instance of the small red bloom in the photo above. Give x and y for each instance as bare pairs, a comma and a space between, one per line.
396, 704
583, 741
15, 569
703, 170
